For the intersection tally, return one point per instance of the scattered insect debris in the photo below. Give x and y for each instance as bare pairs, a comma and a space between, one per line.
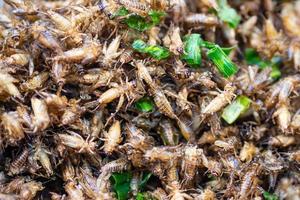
149, 99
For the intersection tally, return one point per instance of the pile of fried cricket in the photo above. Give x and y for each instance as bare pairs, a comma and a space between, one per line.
149, 99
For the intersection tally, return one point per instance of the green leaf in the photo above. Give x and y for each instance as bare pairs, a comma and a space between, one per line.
268, 196
275, 73
143, 196
154, 51
252, 58
239, 106
225, 66
121, 12
121, 184
145, 105
228, 14
156, 16
145, 179
140, 23
137, 22
192, 50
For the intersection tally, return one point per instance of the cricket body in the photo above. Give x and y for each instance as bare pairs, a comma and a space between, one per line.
112, 138
12, 126
35, 82
30, 189
248, 151
74, 191
144, 74
249, 182
111, 52
190, 162
42, 155
19, 163
84, 55
114, 93
45, 38
7, 84
41, 119
139, 7
173, 40
220, 100
76, 142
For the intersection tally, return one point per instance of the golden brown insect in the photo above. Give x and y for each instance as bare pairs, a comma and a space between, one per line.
246, 28
74, 191
248, 151
190, 162
118, 165
76, 142
163, 154
213, 166
220, 100
173, 41
86, 54
282, 141
159, 194
207, 194
109, 7
280, 92
72, 113
163, 103
283, 116
140, 7
7, 83
143, 74
227, 144
295, 123
207, 138
30, 189
111, 51
112, 138
22, 7
126, 56
41, 154
46, 38
35, 82
19, 164
174, 186
249, 182
97, 124
168, 133
41, 119
201, 19
153, 36
12, 126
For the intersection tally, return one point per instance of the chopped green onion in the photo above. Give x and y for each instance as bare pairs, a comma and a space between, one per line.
121, 184
225, 66
239, 106
145, 179
137, 22
121, 12
140, 23
154, 51
252, 58
144, 105
268, 196
192, 50
275, 73
156, 16
228, 14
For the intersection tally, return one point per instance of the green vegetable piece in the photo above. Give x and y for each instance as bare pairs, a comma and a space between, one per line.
275, 73
121, 184
252, 58
145, 179
121, 12
140, 196
236, 108
140, 23
268, 196
228, 14
156, 16
154, 51
192, 50
145, 105
137, 22
225, 66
